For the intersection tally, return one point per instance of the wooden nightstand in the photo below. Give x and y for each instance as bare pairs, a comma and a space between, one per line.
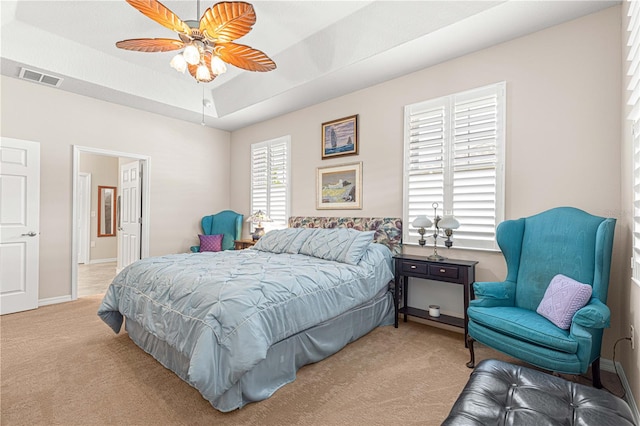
243, 244
448, 271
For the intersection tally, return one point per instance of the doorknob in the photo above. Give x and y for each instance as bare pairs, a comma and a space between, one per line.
30, 234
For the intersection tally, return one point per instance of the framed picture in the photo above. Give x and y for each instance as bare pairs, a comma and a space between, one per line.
340, 137
339, 187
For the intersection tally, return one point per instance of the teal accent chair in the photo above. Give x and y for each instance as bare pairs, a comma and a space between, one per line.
226, 222
503, 316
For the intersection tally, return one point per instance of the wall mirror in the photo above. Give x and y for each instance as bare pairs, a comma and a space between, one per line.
106, 211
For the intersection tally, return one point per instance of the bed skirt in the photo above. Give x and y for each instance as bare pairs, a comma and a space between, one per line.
283, 358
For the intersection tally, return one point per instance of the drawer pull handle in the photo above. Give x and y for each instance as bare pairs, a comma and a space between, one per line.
443, 270
413, 266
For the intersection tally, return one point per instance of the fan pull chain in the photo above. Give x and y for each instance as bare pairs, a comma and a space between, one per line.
202, 122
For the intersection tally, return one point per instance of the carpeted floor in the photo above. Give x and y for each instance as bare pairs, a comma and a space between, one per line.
61, 365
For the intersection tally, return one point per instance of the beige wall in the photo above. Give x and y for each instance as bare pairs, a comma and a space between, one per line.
104, 172
189, 170
563, 136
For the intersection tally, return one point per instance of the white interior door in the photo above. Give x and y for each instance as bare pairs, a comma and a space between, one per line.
129, 214
19, 224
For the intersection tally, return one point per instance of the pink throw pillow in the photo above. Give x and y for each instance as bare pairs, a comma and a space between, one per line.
211, 242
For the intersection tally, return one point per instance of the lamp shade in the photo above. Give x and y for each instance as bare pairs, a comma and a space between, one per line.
178, 63
217, 65
421, 221
449, 222
259, 217
191, 54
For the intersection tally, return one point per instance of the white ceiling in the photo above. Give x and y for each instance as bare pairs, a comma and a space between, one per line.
323, 49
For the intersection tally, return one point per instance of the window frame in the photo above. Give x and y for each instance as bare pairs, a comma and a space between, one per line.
270, 146
481, 237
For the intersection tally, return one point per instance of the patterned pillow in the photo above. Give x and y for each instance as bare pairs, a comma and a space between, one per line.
340, 244
563, 298
211, 242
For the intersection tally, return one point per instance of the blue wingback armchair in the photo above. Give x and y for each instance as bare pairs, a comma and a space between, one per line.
226, 222
503, 316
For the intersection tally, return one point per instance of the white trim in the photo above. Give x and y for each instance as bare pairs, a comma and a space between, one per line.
607, 365
87, 230
53, 300
94, 261
146, 204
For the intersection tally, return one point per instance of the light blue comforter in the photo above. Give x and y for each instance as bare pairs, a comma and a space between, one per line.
224, 310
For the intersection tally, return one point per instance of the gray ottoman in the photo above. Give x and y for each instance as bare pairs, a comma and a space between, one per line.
500, 393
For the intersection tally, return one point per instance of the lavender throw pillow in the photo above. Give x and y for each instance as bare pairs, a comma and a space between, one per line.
563, 298
211, 242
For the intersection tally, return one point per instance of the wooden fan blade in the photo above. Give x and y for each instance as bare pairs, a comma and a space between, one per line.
193, 69
161, 14
150, 44
227, 21
244, 57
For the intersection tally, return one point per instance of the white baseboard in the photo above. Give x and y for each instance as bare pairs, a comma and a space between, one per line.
91, 262
607, 365
53, 300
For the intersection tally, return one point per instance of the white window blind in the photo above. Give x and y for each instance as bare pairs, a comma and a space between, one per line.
633, 72
270, 167
454, 156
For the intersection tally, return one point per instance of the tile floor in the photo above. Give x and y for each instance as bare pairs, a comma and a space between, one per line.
95, 278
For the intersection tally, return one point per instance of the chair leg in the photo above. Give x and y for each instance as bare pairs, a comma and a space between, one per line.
472, 361
595, 374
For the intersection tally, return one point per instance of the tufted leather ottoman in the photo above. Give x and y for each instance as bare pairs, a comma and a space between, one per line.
499, 393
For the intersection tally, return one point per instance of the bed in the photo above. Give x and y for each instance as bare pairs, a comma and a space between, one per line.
237, 325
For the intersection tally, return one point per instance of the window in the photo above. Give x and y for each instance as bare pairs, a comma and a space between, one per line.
454, 156
270, 180
633, 72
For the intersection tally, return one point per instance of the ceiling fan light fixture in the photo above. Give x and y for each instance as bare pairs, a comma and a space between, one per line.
179, 63
217, 65
203, 74
191, 54
216, 31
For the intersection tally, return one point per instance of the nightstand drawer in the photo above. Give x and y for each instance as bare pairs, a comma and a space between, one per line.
444, 271
414, 268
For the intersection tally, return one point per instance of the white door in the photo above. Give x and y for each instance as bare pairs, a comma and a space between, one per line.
19, 224
129, 214
83, 220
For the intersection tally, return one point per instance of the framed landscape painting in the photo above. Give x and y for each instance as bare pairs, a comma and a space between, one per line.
339, 187
340, 137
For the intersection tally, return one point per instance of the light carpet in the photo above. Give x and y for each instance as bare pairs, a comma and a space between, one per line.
61, 365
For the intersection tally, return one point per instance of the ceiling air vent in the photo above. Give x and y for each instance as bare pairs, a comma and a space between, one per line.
39, 77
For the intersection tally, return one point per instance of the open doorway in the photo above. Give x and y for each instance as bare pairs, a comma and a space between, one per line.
105, 251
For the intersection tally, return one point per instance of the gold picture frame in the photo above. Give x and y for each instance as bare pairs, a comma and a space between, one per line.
339, 187
340, 137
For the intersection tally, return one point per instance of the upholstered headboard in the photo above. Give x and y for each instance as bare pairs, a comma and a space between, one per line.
388, 229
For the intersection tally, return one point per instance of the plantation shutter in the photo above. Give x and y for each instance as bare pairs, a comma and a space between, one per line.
633, 58
277, 209
270, 180
477, 140
259, 182
426, 133
454, 157
636, 201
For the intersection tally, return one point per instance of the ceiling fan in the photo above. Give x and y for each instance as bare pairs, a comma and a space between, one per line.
207, 43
